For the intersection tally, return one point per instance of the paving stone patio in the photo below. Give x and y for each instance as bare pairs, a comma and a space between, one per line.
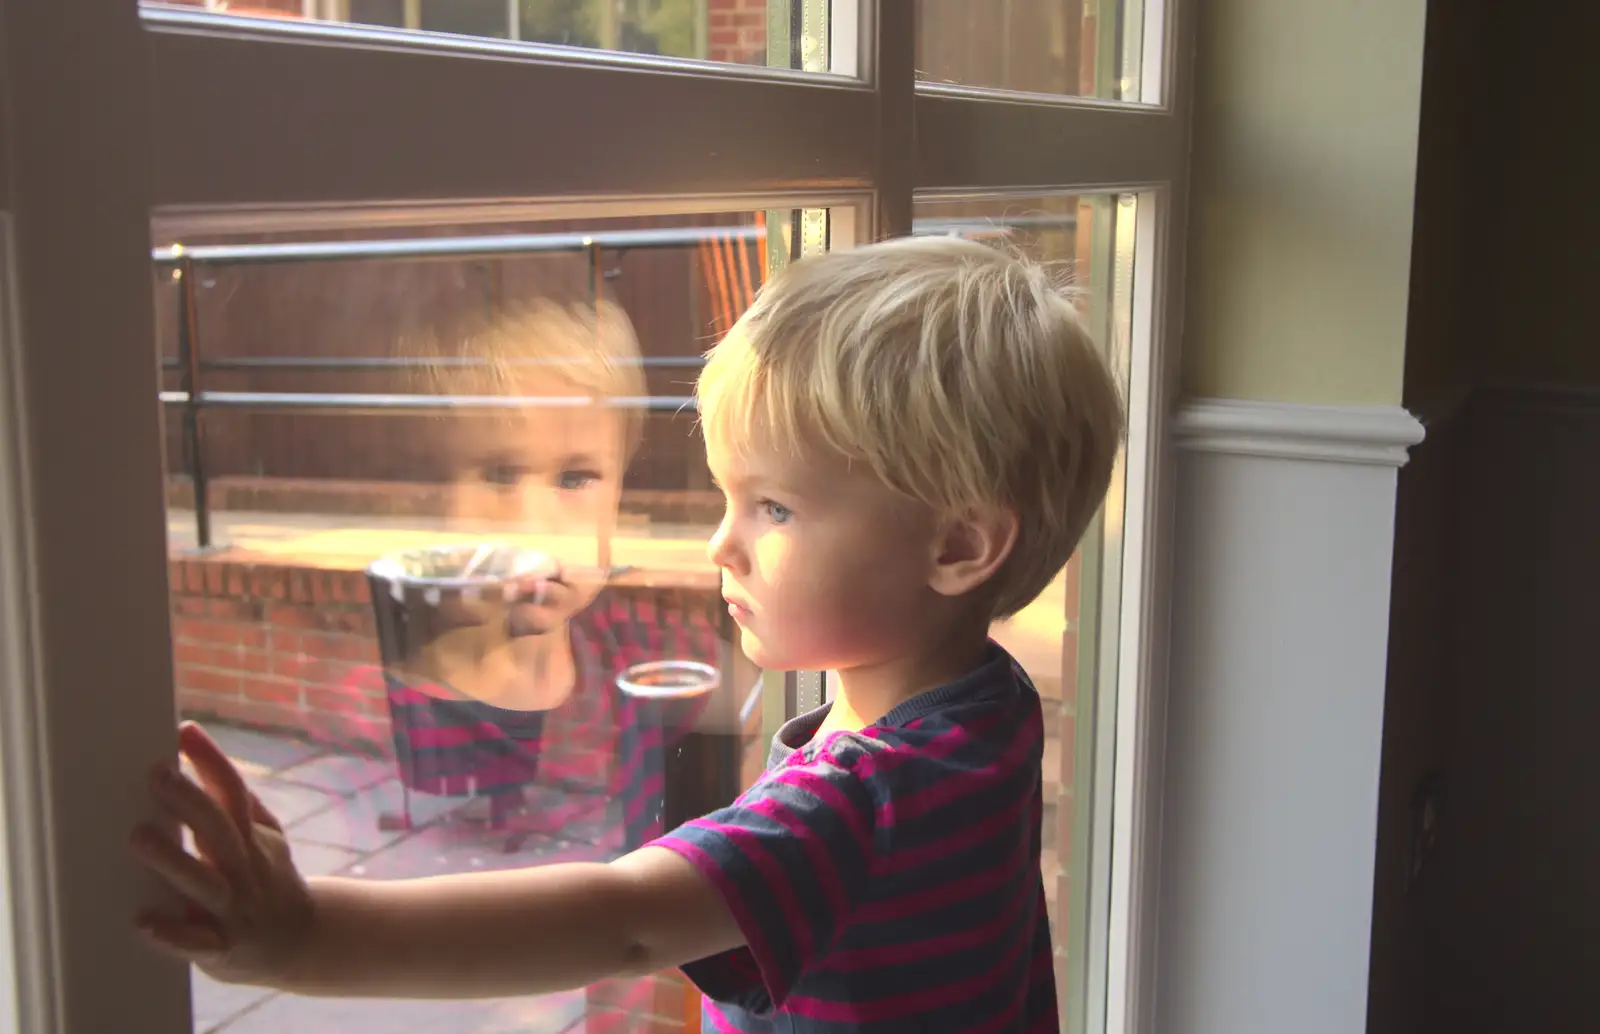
330, 804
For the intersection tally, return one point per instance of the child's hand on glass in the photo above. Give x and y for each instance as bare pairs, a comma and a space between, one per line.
246, 910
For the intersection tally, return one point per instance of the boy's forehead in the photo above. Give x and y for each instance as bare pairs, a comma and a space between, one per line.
736, 463
561, 427
762, 463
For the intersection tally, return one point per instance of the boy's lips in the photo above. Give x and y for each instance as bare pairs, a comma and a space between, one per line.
532, 590
738, 606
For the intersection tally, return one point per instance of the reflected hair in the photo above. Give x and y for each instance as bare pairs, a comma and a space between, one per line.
958, 373
590, 349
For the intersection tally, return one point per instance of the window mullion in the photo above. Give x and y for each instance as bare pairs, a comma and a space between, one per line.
893, 40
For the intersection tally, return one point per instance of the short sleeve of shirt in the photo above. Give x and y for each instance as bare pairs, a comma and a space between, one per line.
791, 859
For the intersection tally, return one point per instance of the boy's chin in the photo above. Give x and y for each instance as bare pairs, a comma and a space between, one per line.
529, 619
768, 656
755, 651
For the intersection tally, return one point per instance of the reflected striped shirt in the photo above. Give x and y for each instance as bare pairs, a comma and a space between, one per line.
888, 879
599, 738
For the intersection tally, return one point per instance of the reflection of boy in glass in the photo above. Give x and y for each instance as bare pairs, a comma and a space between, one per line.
510, 694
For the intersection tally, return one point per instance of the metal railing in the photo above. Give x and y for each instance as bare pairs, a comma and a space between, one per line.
193, 398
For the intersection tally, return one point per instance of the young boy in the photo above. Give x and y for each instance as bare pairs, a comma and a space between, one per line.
911, 438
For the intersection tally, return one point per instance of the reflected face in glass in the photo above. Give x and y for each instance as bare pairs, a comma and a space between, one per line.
547, 478
823, 567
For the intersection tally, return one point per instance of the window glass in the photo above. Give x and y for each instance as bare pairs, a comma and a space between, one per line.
438, 509
1067, 639
1074, 48
794, 34
490, 18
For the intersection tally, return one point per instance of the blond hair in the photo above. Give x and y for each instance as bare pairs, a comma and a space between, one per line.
959, 374
591, 349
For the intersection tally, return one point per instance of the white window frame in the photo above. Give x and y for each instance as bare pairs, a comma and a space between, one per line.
107, 115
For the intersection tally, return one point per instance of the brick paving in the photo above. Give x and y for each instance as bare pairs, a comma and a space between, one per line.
330, 804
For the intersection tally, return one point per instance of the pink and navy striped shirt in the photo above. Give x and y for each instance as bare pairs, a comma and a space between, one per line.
888, 879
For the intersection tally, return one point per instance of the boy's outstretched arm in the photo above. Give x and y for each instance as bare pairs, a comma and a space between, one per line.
527, 931
252, 918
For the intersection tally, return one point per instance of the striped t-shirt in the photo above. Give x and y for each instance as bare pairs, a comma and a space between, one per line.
888, 879
598, 740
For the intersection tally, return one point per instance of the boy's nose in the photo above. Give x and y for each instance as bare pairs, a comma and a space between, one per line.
722, 549
541, 508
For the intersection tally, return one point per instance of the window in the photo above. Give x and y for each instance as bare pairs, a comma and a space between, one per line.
346, 202
371, 437
1067, 639
744, 32
1073, 48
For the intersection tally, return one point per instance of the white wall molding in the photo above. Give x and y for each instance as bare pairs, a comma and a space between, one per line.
1379, 435
1283, 538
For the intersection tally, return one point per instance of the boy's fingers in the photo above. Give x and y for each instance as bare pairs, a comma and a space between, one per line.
187, 939
214, 831
259, 812
218, 774
194, 880
221, 776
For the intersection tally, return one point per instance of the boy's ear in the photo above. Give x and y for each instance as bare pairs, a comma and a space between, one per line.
971, 548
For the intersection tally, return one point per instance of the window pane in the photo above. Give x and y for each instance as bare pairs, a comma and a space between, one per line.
1066, 639
490, 18
446, 596
793, 34
379, 12
1075, 48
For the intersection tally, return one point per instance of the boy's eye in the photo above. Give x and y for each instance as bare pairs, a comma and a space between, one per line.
505, 475
576, 480
777, 512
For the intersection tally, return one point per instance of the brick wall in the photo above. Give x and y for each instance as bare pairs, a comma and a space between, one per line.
1061, 720
736, 31
279, 647
292, 648
1060, 731
255, 8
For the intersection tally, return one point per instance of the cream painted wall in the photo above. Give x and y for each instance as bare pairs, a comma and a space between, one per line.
1305, 142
